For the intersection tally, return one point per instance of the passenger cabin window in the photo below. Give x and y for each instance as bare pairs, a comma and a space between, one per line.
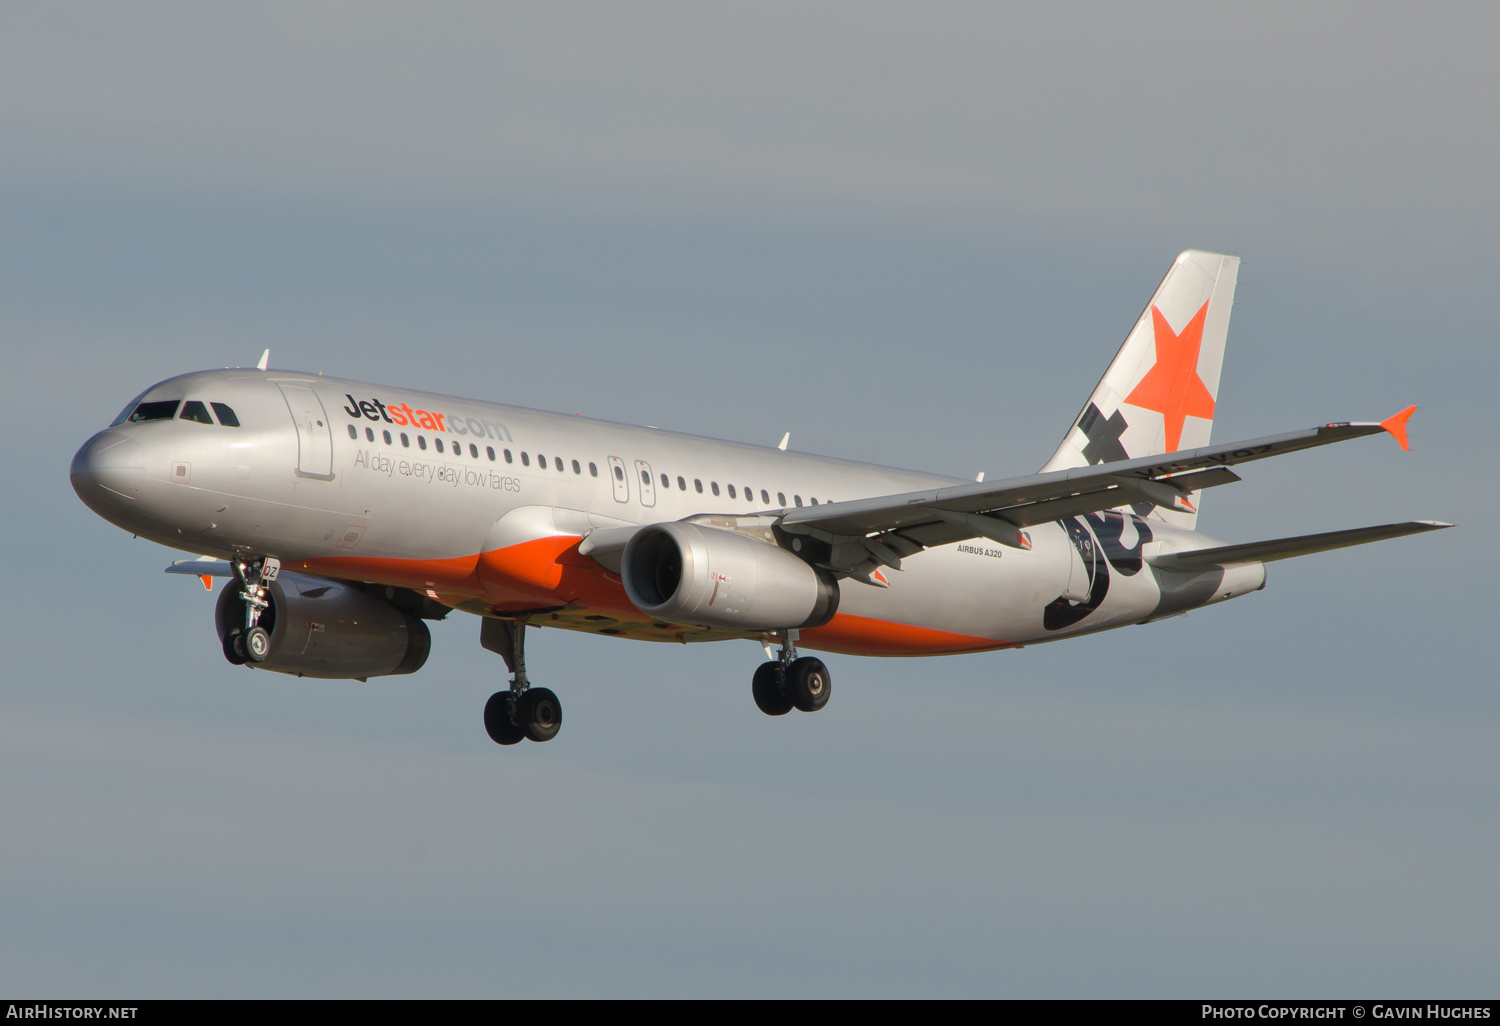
576, 468
713, 486
593, 470
387, 436
226, 415
797, 499
620, 473
749, 494
193, 409
645, 479
405, 442
164, 409
422, 442
781, 499
541, 461
731, 492
489, 450
474, 450
369, 434
557, 462
507, 457
352, 432
525, 460
681, 482
698, 485
764, 497
813, 499
666, 482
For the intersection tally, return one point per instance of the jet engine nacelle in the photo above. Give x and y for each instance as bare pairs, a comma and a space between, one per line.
322, 628
686, 573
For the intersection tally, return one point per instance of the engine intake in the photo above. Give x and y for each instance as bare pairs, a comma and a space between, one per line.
686, 573
323, 628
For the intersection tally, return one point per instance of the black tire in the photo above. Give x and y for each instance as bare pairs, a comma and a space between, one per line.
234, 647
257, 645
540, 714
808, 684
497, 721
770, 697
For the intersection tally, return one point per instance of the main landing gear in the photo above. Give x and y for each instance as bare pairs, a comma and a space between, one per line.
788, 683
524, 711
252, 643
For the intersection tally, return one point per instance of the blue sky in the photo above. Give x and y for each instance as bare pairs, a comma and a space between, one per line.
909, 236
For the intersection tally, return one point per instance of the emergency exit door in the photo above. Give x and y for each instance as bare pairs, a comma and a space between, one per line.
617, 476
647, 486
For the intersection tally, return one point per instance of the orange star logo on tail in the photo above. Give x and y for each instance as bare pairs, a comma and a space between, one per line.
1172, 386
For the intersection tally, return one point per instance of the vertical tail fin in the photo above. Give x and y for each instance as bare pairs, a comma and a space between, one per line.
1159, 393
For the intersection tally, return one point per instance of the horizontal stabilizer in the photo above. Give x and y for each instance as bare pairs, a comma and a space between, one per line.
1285, 548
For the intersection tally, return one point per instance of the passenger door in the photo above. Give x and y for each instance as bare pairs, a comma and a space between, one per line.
314, 435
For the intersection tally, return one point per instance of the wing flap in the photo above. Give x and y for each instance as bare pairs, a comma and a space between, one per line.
1286, 548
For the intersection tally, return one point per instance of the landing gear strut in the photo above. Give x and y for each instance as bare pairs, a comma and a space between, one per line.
524, 711
252, 643
787, 682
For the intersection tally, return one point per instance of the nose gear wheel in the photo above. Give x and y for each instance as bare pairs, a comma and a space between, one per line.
256, 644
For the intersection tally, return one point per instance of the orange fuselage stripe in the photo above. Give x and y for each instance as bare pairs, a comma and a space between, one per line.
862, 635
550, 572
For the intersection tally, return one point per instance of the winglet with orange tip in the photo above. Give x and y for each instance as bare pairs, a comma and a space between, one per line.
1397, 426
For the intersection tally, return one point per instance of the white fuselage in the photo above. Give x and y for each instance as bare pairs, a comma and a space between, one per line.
483, 506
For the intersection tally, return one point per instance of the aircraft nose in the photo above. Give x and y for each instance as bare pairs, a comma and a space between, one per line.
108, 471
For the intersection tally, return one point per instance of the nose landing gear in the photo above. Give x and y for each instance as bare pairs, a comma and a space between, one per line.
524, 711
789, 682
252, 643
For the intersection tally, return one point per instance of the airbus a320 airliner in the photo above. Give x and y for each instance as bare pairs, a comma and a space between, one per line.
345, 514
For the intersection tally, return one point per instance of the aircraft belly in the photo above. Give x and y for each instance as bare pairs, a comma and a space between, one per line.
973, 588
1069, 582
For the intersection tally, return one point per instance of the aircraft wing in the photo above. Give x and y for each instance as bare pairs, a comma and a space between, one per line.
1286, 548
205, 568
890, 527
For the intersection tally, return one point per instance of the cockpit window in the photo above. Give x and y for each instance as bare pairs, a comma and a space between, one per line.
226, 415
164, 409
194, 409
130, 406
